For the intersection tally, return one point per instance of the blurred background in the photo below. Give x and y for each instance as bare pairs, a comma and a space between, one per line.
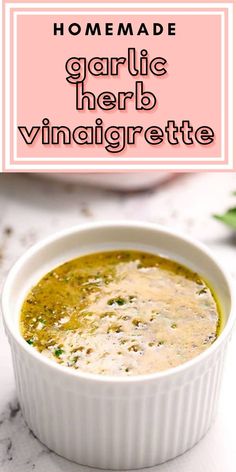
34, 206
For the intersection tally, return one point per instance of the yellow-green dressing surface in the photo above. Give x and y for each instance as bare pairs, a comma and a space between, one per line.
120, 313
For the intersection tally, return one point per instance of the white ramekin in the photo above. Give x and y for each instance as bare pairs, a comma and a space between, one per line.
116, 422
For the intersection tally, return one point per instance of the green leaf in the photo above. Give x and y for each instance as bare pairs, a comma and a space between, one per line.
228, 218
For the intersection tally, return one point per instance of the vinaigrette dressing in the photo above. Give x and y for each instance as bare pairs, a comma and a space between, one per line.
120, 313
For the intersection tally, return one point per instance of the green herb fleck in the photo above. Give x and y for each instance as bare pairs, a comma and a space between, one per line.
202, 291
116, 301
58, 352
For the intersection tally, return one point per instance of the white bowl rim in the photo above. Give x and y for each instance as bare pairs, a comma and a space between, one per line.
112, 378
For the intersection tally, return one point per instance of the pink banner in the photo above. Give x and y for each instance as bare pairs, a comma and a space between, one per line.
110, 87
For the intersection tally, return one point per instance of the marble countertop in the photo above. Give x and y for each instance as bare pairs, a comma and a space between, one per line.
32, 208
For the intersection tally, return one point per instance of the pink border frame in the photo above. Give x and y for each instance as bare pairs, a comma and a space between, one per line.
114, 165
